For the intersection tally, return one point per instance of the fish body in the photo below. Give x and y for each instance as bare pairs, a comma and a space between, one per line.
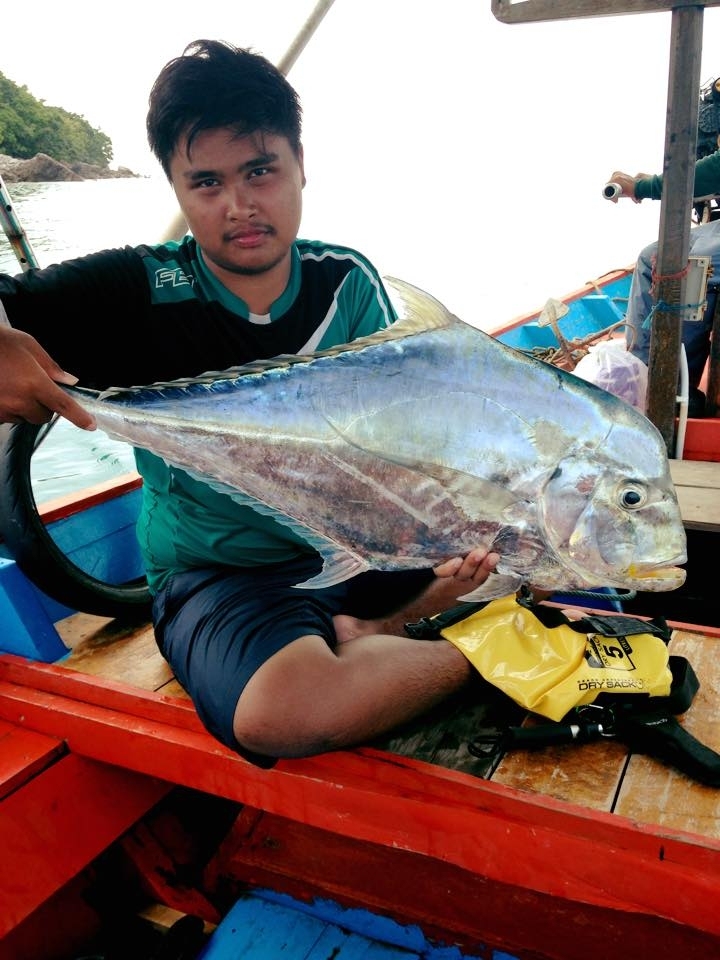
421, 443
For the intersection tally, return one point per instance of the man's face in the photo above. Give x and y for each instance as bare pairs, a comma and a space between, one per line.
242, 198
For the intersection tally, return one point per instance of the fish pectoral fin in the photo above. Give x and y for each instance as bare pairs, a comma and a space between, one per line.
496, 585
337, 568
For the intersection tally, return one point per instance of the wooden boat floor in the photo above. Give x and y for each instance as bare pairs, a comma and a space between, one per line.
697, 484
602, 775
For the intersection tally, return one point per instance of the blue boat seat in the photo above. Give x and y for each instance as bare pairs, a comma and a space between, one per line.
264, 925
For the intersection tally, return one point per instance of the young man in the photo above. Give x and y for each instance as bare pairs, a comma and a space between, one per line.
272, 671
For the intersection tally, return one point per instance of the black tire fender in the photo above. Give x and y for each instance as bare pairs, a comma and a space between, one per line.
33, 548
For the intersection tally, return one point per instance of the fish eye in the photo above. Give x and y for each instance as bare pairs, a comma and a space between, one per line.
632, 496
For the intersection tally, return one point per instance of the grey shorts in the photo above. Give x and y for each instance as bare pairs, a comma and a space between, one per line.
217, 626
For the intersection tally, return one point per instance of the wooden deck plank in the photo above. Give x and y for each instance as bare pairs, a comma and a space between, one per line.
695, 473
654, 793
116, 651
697, 484
589, 774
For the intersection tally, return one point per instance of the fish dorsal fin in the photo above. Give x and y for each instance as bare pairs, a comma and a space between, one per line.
419, 312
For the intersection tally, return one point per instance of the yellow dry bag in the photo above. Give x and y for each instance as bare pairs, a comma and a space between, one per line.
549, 664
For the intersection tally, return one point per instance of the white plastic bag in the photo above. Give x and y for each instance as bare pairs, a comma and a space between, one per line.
610, 365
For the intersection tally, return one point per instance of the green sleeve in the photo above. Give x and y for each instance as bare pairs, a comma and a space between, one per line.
707, 175
648, 188
707, 180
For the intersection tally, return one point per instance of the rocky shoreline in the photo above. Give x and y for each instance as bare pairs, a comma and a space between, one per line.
41, 169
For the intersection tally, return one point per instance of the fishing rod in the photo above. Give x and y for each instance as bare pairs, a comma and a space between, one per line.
13, 230
178, 227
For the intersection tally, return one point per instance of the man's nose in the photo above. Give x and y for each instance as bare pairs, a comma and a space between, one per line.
241, 202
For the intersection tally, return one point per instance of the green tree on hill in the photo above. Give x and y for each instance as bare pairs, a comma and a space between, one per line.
28, 126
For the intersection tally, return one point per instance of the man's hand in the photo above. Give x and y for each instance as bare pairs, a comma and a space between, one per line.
475, 567
29, 380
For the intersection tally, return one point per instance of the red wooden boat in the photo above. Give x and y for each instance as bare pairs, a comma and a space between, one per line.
120, 817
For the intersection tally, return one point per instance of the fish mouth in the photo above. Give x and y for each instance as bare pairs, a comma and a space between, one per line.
658, 580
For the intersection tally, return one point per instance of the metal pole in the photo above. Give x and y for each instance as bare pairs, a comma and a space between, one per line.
12, 228
287, 62
178, 227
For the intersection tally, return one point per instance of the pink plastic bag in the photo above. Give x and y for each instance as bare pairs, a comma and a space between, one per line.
610, 365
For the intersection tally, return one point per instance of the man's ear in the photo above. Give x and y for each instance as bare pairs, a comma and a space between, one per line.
301, 161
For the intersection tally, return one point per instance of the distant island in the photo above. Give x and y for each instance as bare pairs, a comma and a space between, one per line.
41, 168
40, 143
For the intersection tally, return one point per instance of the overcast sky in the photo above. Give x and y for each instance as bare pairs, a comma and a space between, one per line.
452, 149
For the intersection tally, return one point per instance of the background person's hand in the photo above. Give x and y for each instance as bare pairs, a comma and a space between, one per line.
626, 184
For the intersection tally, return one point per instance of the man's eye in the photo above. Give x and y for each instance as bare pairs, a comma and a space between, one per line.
259, 171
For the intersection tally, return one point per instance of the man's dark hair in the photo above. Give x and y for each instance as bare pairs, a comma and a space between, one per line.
214, 84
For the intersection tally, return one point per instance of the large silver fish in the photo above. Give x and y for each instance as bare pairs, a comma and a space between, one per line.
419, 443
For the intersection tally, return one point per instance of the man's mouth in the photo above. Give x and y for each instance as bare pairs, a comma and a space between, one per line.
247, 239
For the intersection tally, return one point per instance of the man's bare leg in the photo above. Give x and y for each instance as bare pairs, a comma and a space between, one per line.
308, 698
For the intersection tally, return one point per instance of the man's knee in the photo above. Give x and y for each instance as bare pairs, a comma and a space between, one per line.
301, 733
282, 711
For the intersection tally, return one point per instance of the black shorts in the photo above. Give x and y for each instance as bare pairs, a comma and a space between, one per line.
217, 626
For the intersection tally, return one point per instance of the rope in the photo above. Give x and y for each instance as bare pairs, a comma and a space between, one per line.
611, 595
671, 308
668, 276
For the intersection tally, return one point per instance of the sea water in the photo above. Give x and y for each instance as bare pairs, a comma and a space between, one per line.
63, 220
